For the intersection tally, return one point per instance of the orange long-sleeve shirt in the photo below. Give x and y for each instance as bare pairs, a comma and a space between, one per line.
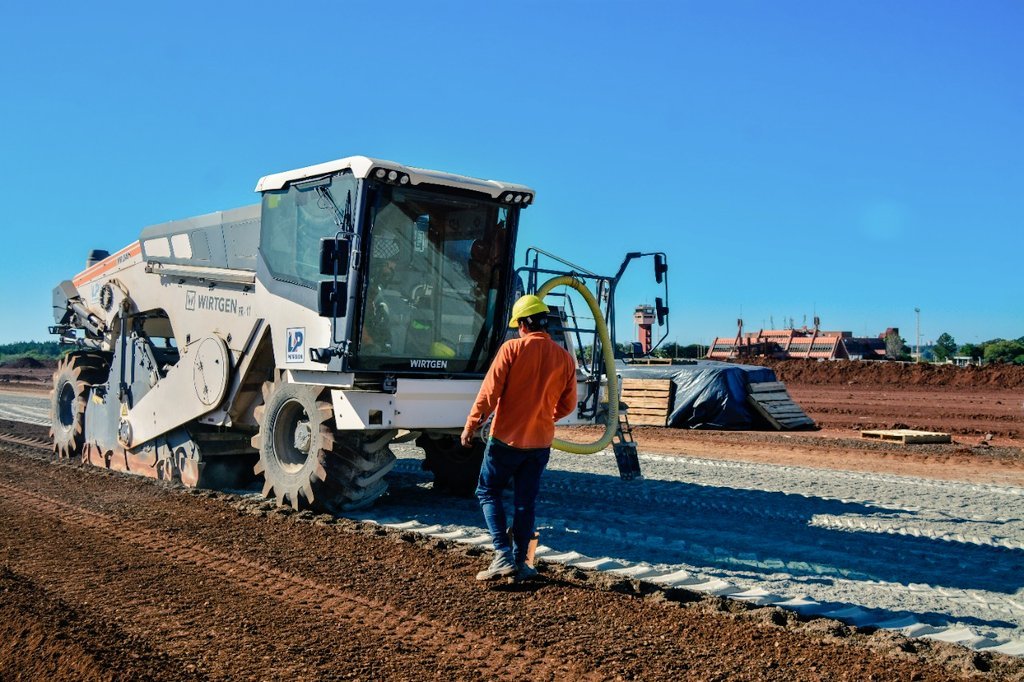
531, 384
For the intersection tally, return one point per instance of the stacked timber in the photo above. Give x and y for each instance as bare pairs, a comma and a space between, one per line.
649, 400
908, 436
772, 401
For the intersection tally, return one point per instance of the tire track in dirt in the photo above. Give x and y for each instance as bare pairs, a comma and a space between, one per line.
38, 443
489, 658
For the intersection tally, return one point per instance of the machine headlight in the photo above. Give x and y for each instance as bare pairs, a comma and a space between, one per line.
392, 177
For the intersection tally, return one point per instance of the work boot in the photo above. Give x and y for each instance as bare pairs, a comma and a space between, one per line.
501, 567
525, 571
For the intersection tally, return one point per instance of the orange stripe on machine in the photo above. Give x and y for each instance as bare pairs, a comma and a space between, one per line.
120, 259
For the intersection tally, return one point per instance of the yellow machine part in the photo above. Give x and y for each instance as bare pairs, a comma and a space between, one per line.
609, 362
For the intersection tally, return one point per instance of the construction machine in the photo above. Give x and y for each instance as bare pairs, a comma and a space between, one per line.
359, 304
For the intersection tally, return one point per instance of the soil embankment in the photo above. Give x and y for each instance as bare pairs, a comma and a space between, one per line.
27, 374
894, 375
980, 404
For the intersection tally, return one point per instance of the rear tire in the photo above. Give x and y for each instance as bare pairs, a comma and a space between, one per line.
456, 469
304, 462
75, 375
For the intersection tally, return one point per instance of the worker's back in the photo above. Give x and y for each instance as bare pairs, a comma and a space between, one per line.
539, 389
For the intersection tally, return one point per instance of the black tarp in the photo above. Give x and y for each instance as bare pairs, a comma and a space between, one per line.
709, 394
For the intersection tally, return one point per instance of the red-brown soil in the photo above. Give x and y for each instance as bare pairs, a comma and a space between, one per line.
24, 363
965, 401
15, 376
981, 407
104, 576
895, 374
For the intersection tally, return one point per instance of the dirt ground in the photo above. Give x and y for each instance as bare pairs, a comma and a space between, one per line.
982, 408
26, 376
104, 576
966, 402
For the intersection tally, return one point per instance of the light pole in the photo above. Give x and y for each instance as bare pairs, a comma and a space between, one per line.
917, 345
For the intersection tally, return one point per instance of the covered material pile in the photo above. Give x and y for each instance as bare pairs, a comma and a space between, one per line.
708, 394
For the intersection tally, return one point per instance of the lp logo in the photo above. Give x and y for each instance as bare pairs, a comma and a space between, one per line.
296, 341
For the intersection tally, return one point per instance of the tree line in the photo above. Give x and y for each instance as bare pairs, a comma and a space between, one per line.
995, 351
38, 350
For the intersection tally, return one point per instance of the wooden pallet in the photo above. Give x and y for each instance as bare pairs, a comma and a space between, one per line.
772, 401
649, 400
907, 436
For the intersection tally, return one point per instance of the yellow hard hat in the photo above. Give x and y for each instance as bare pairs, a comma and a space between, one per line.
441, 350
526, 306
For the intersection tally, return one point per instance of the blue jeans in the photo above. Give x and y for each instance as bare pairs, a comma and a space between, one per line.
524, 467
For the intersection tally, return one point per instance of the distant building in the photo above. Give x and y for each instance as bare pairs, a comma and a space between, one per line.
799, 343
643, 318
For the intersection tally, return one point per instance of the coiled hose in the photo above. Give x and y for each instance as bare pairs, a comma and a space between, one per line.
609, 362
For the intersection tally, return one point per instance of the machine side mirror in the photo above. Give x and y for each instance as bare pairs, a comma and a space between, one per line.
661, 310
333, 298
334, 256
660, 268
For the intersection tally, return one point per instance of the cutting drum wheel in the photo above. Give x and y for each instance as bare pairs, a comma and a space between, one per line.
75, 374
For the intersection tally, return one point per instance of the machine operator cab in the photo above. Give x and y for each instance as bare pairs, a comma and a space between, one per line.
409, 270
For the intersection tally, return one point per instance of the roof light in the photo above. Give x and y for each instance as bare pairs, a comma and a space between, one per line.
519, 198
392, 176
381, 173
508, 198
404, 180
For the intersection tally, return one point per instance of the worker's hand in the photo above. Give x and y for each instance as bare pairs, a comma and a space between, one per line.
467, 437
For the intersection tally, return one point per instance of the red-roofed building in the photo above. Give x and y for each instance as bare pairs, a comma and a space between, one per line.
798, 343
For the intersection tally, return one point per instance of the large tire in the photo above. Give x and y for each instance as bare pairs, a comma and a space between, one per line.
75, 374
304, 462
456, 469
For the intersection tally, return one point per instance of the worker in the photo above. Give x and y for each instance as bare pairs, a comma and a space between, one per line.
530, 385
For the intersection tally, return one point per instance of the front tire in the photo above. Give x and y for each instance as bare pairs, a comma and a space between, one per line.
456, 469
305, 463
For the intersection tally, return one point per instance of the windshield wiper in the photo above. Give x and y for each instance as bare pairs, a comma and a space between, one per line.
342, 220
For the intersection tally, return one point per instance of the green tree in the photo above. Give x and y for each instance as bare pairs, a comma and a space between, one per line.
40, 350
944, 348
671, 349
1003, 351
693, 351
972, 351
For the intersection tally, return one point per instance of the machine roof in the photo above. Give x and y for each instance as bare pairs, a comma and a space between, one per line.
362, 165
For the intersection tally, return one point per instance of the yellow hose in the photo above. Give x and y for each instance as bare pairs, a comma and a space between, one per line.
609, 362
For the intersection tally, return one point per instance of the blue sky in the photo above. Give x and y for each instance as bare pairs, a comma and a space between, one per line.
850, 159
